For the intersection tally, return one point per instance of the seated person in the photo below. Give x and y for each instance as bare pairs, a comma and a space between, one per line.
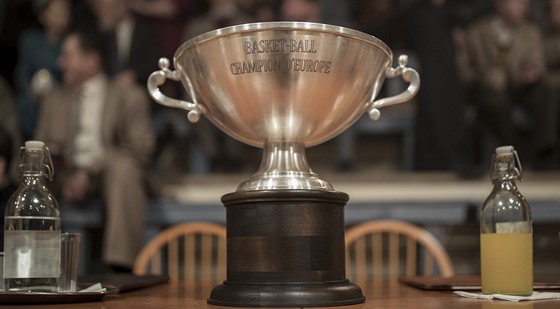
100, 134
38, 50
507, 70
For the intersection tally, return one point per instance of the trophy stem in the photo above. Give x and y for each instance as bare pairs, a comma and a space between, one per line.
284, 167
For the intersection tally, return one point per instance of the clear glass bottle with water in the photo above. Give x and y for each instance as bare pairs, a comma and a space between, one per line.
506, 234
32, 226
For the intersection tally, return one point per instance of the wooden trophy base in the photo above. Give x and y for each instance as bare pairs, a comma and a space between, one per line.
285, 248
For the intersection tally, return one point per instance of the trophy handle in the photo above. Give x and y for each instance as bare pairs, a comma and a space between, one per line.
158, 78
408, 75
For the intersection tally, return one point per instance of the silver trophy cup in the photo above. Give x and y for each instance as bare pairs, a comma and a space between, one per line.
284, 86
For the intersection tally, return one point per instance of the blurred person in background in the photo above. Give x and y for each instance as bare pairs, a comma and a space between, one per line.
9, 145
100, 137
300, 10
259, 10
16, 17
169, 16
132, 45
324, 11
552, 55
506, 70
36, 71
443, 140
219, 14
9, 121
383, 19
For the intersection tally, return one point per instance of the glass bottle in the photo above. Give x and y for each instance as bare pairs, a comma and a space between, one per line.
32, 226
506, 234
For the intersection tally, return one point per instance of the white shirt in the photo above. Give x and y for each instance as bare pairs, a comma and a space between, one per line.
88, 146
123, 34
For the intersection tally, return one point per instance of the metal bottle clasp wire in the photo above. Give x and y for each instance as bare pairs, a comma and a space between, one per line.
47, 163
517, 169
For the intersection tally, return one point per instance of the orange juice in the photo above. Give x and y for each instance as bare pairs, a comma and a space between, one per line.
507, 263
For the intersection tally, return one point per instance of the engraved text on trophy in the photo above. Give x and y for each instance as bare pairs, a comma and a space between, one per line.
281, 63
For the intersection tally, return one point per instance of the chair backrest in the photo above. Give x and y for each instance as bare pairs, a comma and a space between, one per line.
374, 249
188, 251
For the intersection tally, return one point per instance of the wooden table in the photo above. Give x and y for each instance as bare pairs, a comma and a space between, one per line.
378, 295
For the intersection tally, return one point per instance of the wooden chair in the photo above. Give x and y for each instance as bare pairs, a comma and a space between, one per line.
373, 251
188, 251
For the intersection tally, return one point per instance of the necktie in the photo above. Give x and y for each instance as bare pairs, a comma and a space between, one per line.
112, 53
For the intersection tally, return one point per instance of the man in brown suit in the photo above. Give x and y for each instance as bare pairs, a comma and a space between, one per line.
101, 133
506, 68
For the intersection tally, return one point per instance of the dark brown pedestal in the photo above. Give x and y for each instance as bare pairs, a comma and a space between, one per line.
285, 249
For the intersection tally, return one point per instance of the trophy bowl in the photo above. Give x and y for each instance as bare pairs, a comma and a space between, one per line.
283, 86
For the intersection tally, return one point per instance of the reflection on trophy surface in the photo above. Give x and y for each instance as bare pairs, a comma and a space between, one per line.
284, 86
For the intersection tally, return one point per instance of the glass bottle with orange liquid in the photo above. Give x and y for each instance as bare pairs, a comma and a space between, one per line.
506, 233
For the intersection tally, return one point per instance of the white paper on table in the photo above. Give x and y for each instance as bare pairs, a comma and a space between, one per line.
94, 288
534, 296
